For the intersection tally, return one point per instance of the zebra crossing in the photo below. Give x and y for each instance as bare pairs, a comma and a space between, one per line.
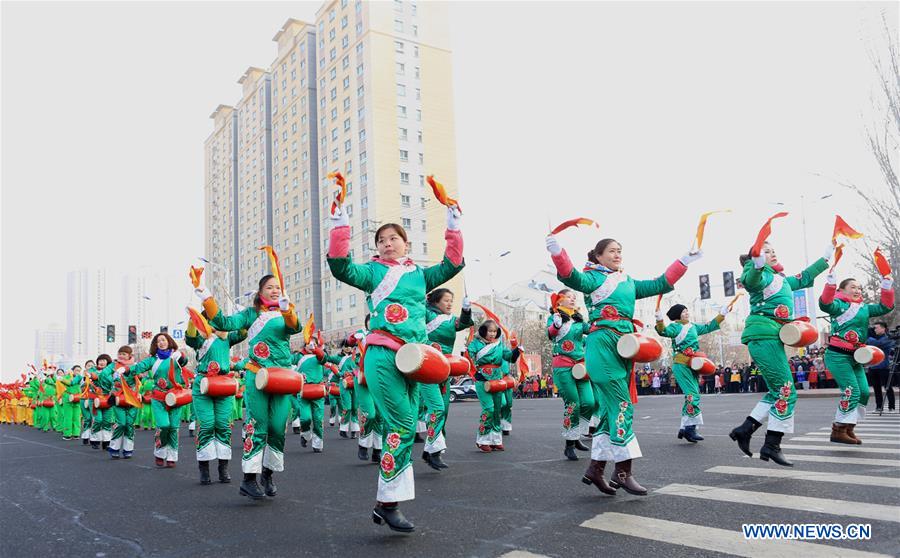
871, 468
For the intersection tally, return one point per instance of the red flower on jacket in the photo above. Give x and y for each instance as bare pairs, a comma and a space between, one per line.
785, 391
620, 433
567, 422
395, 313
261, 350
609, 312
431, 432
781, 406
782, 312
568, 346
690, 409
248, 444
157, 443
852, 336
213, 368
393, 440
387, 463
248, 429
845, 405
161, 383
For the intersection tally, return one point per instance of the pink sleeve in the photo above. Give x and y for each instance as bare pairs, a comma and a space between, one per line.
563, 264
339, 242
675, 272
827, 296
552, 329
454, 249
887, 298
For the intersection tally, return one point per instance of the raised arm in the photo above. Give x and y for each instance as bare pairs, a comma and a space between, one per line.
666, 282
887, 299
452, 262
565, 271
359, 276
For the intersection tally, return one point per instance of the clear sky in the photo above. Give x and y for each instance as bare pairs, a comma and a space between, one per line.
638, 115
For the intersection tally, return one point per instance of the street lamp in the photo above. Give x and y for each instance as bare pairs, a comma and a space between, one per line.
490, 263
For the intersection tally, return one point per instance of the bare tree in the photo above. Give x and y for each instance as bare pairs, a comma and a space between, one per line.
883, 135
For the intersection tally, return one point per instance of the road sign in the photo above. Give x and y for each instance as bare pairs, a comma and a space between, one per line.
177, 333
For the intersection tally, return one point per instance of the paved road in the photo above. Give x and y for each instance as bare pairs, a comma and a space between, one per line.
63, 498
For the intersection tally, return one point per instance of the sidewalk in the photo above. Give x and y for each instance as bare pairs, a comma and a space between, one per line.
828, 392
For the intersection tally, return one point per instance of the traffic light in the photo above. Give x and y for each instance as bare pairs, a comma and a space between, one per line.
132, 335
164, 329
728, 279
110, 333
704, 287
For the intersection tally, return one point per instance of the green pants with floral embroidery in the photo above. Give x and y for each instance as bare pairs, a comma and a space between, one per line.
578, 403
854, 387
397, 401
778, 403
436, 398
263, 432
687, 381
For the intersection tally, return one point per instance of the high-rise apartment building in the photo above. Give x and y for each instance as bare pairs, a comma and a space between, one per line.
365, 91
79, 333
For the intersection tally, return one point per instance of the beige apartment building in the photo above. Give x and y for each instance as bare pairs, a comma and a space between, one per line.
366, 91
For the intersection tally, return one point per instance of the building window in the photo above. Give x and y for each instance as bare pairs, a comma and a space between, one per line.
403, 133
404, 178
347, 146
404, 155
407, 223
424, 225
346, 82
398, 26
401, 90
401, 111
398, 46
347, 126
404, 201
401, 68
425, 248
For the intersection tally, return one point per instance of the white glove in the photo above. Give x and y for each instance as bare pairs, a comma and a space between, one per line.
829, 253
887, 283
359, 336
118, 373
453, 218
759, 261
203, 293
176, 356
553, 246
557, 321
284, 303
466, 304
830, 279
691, 257
724, 310
659, 315
339, 218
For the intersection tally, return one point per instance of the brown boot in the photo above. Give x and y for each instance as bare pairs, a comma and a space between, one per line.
594, 475
839, 434
850, 433
622, 478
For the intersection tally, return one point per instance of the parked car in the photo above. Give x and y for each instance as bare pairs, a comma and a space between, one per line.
463, 389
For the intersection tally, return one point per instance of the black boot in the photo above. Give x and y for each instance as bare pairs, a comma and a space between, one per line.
302, 441
204, 472
296, 430
579, 445
104, 445
690, 434
362, 453
268, 482
376, 455
85, 441
743, 433
224, 477
419, 439
435, 461
249, 487
391, 514
569, 452
95, 445
772, 449
343, 434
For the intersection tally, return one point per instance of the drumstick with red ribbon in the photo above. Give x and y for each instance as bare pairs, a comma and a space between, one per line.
574, 223
441, 193
881, 263
342, 193
764, 233
273, 263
